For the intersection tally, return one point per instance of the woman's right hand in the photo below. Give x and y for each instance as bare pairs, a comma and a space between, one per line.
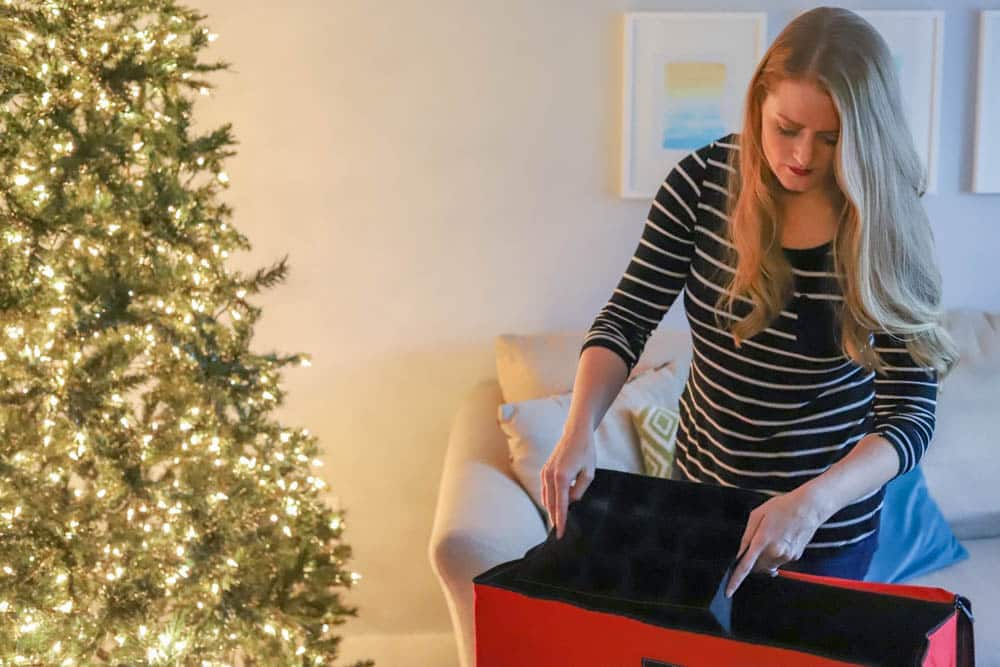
566, 476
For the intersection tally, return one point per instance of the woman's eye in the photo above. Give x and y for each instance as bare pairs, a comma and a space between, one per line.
789, 132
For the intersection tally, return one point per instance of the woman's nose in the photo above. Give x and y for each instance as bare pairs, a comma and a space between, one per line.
803, 153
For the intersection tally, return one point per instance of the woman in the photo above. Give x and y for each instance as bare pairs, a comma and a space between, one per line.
813, 296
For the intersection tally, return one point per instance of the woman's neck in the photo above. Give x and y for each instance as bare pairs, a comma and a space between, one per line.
809, 218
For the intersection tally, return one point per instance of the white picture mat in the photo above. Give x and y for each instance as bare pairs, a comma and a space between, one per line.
736, 39
917, 38
986, 165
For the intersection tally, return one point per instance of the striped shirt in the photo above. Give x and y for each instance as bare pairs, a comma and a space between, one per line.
787, 404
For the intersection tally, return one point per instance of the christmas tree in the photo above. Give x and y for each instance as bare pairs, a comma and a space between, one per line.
152, 510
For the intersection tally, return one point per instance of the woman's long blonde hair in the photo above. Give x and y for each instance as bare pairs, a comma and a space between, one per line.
884, 247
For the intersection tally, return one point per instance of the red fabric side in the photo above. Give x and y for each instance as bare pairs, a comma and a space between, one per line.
917, 592
515, 630
943, 645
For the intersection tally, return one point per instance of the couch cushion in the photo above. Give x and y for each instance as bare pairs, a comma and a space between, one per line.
962, 462
536, 365
977, 333
533, 427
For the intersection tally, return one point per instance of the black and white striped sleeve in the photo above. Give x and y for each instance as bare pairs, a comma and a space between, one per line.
656, 273
905, 402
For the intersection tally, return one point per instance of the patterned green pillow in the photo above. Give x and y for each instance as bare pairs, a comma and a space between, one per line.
657, 430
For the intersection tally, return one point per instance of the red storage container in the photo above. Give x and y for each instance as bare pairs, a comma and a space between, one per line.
638, 580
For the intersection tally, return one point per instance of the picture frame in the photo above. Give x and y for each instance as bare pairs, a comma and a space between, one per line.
985, 165
681, 90
919, 71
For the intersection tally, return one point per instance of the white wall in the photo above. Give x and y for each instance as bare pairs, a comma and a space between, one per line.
442, 171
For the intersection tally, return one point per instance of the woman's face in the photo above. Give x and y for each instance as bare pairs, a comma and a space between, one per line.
799, 130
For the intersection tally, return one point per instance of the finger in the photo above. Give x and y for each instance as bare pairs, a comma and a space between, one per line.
545, 502
743, 567
547, 491
557, 520
740, 572
581, 483
751, 528
777, 557
562, 502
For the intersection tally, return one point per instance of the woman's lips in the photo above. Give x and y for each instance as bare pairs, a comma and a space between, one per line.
799, 172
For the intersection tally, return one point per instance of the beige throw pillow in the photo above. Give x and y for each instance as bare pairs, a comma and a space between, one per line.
533, 427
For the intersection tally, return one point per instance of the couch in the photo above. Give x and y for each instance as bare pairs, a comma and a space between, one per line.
485, 517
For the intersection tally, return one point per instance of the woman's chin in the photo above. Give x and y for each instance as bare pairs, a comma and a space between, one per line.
792, 187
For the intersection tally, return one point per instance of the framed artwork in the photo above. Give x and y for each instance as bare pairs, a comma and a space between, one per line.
916, 39
685, 78
985, 164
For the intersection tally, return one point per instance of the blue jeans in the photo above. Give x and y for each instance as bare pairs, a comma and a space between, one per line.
848, 562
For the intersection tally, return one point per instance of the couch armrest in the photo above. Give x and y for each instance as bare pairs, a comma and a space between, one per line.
483, 516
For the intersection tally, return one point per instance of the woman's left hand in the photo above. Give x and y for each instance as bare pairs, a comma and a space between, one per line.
777, 532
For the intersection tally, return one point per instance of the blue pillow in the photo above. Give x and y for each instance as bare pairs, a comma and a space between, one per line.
914, 537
